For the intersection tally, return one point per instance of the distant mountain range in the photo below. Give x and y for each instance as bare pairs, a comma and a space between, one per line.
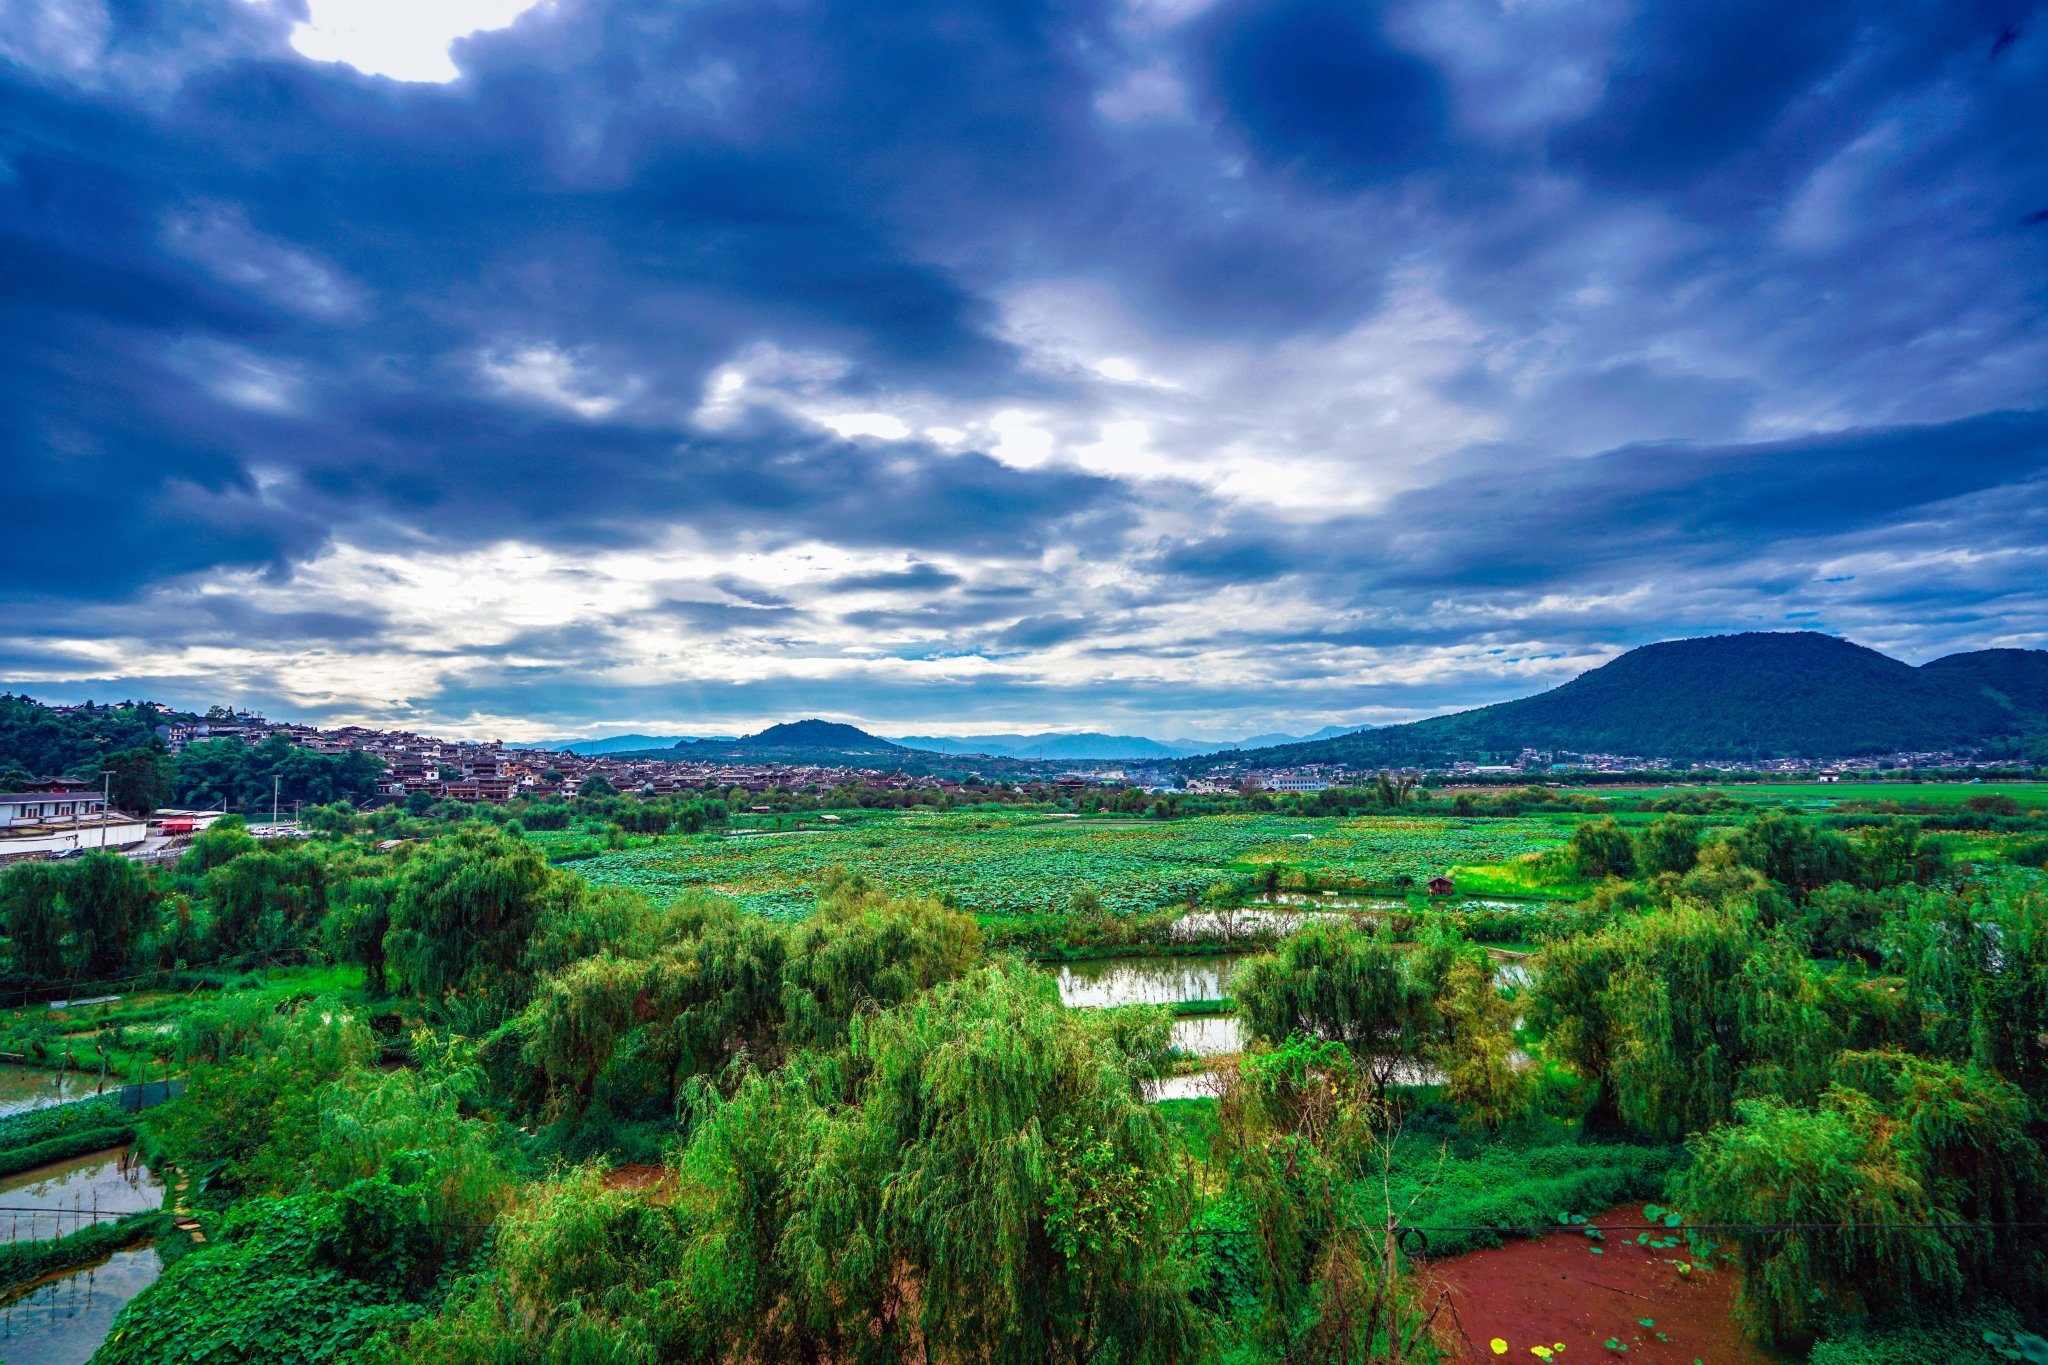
615, 744
1751, 696
1052, 746
1090, 744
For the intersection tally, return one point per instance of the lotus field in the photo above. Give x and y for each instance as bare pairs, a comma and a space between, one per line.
996, 864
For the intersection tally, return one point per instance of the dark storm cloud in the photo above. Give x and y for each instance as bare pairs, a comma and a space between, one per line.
253, 306
1315, 85
916, 578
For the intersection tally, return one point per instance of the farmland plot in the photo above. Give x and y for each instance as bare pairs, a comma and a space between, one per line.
1024, 864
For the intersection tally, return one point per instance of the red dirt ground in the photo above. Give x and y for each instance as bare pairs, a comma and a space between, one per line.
1555, 1290
637, 1175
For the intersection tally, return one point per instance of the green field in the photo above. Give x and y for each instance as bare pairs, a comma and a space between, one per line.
1826, 795
1016, 864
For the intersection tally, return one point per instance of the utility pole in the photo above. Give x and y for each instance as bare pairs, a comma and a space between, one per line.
275, 781
106, 802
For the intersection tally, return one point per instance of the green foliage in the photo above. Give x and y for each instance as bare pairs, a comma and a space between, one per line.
1898, 1141
267, 901
1951, 1339
1677, 1011
139, 779
1671, 845
274, 1283
1015, 865
1376, 997
1481, 1077
250, 777
252, 1107
41, 741
80, 918
465, 907
1600, 849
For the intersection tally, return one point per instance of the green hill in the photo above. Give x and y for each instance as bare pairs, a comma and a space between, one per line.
1751, 696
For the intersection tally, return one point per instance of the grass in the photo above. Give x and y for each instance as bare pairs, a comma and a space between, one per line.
136, 1029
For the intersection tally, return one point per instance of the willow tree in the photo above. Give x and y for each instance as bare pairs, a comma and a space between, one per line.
109, 902
267, 901
1677, 1011
1481, 1077
30, 910
1296, 1126
465, 908
1863, 1185
1331, 982
1002, 1185
647, 1024
866, 950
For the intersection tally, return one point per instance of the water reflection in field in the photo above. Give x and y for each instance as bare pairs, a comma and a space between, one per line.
1144, 980
31, 1087
1213, 1036
62, 1321
53, 1200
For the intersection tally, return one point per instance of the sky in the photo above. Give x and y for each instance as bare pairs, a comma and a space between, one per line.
1174, 367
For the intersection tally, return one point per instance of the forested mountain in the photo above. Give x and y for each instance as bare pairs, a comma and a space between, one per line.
1757, 695
823, 742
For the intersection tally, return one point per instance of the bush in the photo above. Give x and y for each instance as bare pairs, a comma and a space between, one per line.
1952, 1341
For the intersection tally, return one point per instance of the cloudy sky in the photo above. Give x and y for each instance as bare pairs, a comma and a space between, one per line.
1160, 366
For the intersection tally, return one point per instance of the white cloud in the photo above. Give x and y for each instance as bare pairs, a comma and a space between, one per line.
1147, 94
850, 424
219, 238
551, 375
407, 40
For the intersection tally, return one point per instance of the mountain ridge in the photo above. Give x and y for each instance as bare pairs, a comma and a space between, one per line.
1754, 695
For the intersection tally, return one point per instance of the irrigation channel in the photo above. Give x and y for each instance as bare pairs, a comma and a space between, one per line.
32, 1087
1163, 979
62, 1318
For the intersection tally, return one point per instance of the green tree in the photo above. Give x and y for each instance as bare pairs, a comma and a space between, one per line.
1898, 1146
109, 903
1329, 981
141, 778
1669, 845
30, 906
596, 785
1600, 849
466, 905
1481, 1077
1296, 1124
1001, 1166
1678, 1010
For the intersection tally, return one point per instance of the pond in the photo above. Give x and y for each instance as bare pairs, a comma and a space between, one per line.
1157, 980
33, 1087
1228, 924
1211, 1036
63, 1320
56, 1199
1202, 1085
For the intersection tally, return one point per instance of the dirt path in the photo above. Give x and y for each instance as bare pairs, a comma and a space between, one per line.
1556, 1293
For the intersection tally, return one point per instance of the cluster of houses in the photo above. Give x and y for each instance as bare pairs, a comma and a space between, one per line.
461, 770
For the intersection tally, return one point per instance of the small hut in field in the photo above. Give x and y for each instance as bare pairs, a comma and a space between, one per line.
1442, 886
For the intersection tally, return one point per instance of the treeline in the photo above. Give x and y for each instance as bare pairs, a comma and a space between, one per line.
41, 741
